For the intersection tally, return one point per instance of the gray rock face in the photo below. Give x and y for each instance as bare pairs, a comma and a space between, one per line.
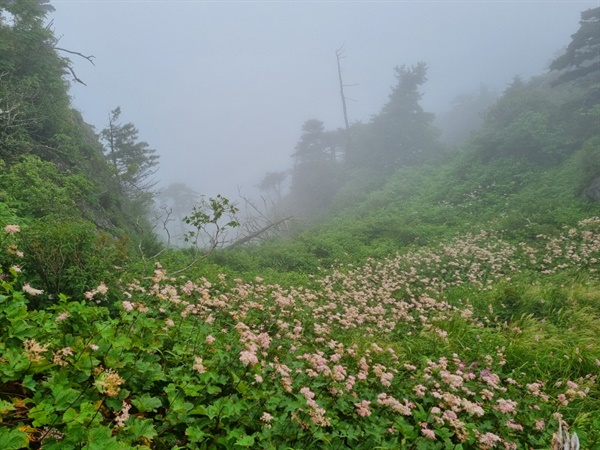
593, 190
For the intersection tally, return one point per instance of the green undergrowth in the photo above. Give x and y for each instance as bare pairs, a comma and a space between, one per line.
474, 342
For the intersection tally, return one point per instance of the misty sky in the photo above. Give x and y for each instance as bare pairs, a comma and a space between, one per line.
221, 89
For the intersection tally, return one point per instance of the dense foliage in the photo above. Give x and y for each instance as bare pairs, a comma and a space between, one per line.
473, 343
56, 175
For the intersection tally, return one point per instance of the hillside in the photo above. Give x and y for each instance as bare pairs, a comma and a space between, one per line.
531, 169
429, 298
81, 198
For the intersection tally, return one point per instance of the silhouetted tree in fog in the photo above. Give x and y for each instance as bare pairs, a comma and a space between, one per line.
402, 133
581, 60
134, 162
316, 171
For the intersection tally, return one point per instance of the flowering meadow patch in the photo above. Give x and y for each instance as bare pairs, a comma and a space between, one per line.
408, 352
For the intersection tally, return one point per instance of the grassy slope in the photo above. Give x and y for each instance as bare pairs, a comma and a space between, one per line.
421, 206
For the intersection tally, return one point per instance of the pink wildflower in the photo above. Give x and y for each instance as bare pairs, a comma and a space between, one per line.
403, 408
489, 440
449, 415
264, 340
514, 426
419, 390
12, 229
307, 393
248, 358
562, 399
31, 291
454, 381
350, 383
487, 394
386, 379
338, 373
102, 288
506, 406
472, 408
108, 382
127, 305
362, 408
34, 350
122, 416
62, 316
428, 433
198, 366
60, 355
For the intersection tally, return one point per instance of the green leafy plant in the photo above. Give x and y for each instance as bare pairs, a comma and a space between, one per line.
415, 351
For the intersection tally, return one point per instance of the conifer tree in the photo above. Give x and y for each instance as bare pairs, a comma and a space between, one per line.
402, 133
581, 60
133, 161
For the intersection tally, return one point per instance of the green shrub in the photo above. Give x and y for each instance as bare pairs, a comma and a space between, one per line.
42, 190
70, 257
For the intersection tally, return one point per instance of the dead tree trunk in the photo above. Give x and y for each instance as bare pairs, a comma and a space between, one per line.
256, 234
339, 54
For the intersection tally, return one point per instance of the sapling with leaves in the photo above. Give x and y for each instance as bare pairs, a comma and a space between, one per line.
210, 221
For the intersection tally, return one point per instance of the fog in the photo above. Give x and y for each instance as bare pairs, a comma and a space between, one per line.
221, 89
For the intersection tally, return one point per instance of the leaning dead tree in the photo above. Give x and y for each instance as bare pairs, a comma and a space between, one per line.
260, 222
260, 233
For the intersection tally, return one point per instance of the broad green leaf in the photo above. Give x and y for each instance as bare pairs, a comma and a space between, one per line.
142, 428
100, 438
13, 439
5, 407
29, 383
42, 416
245, 441
195, 434
145, 403
199, 410
213, 390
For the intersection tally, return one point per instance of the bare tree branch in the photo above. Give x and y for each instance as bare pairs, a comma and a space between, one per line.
68, 62
75, 76
88, 57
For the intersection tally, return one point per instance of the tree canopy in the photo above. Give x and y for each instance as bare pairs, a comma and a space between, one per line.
133, 161
581, 60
